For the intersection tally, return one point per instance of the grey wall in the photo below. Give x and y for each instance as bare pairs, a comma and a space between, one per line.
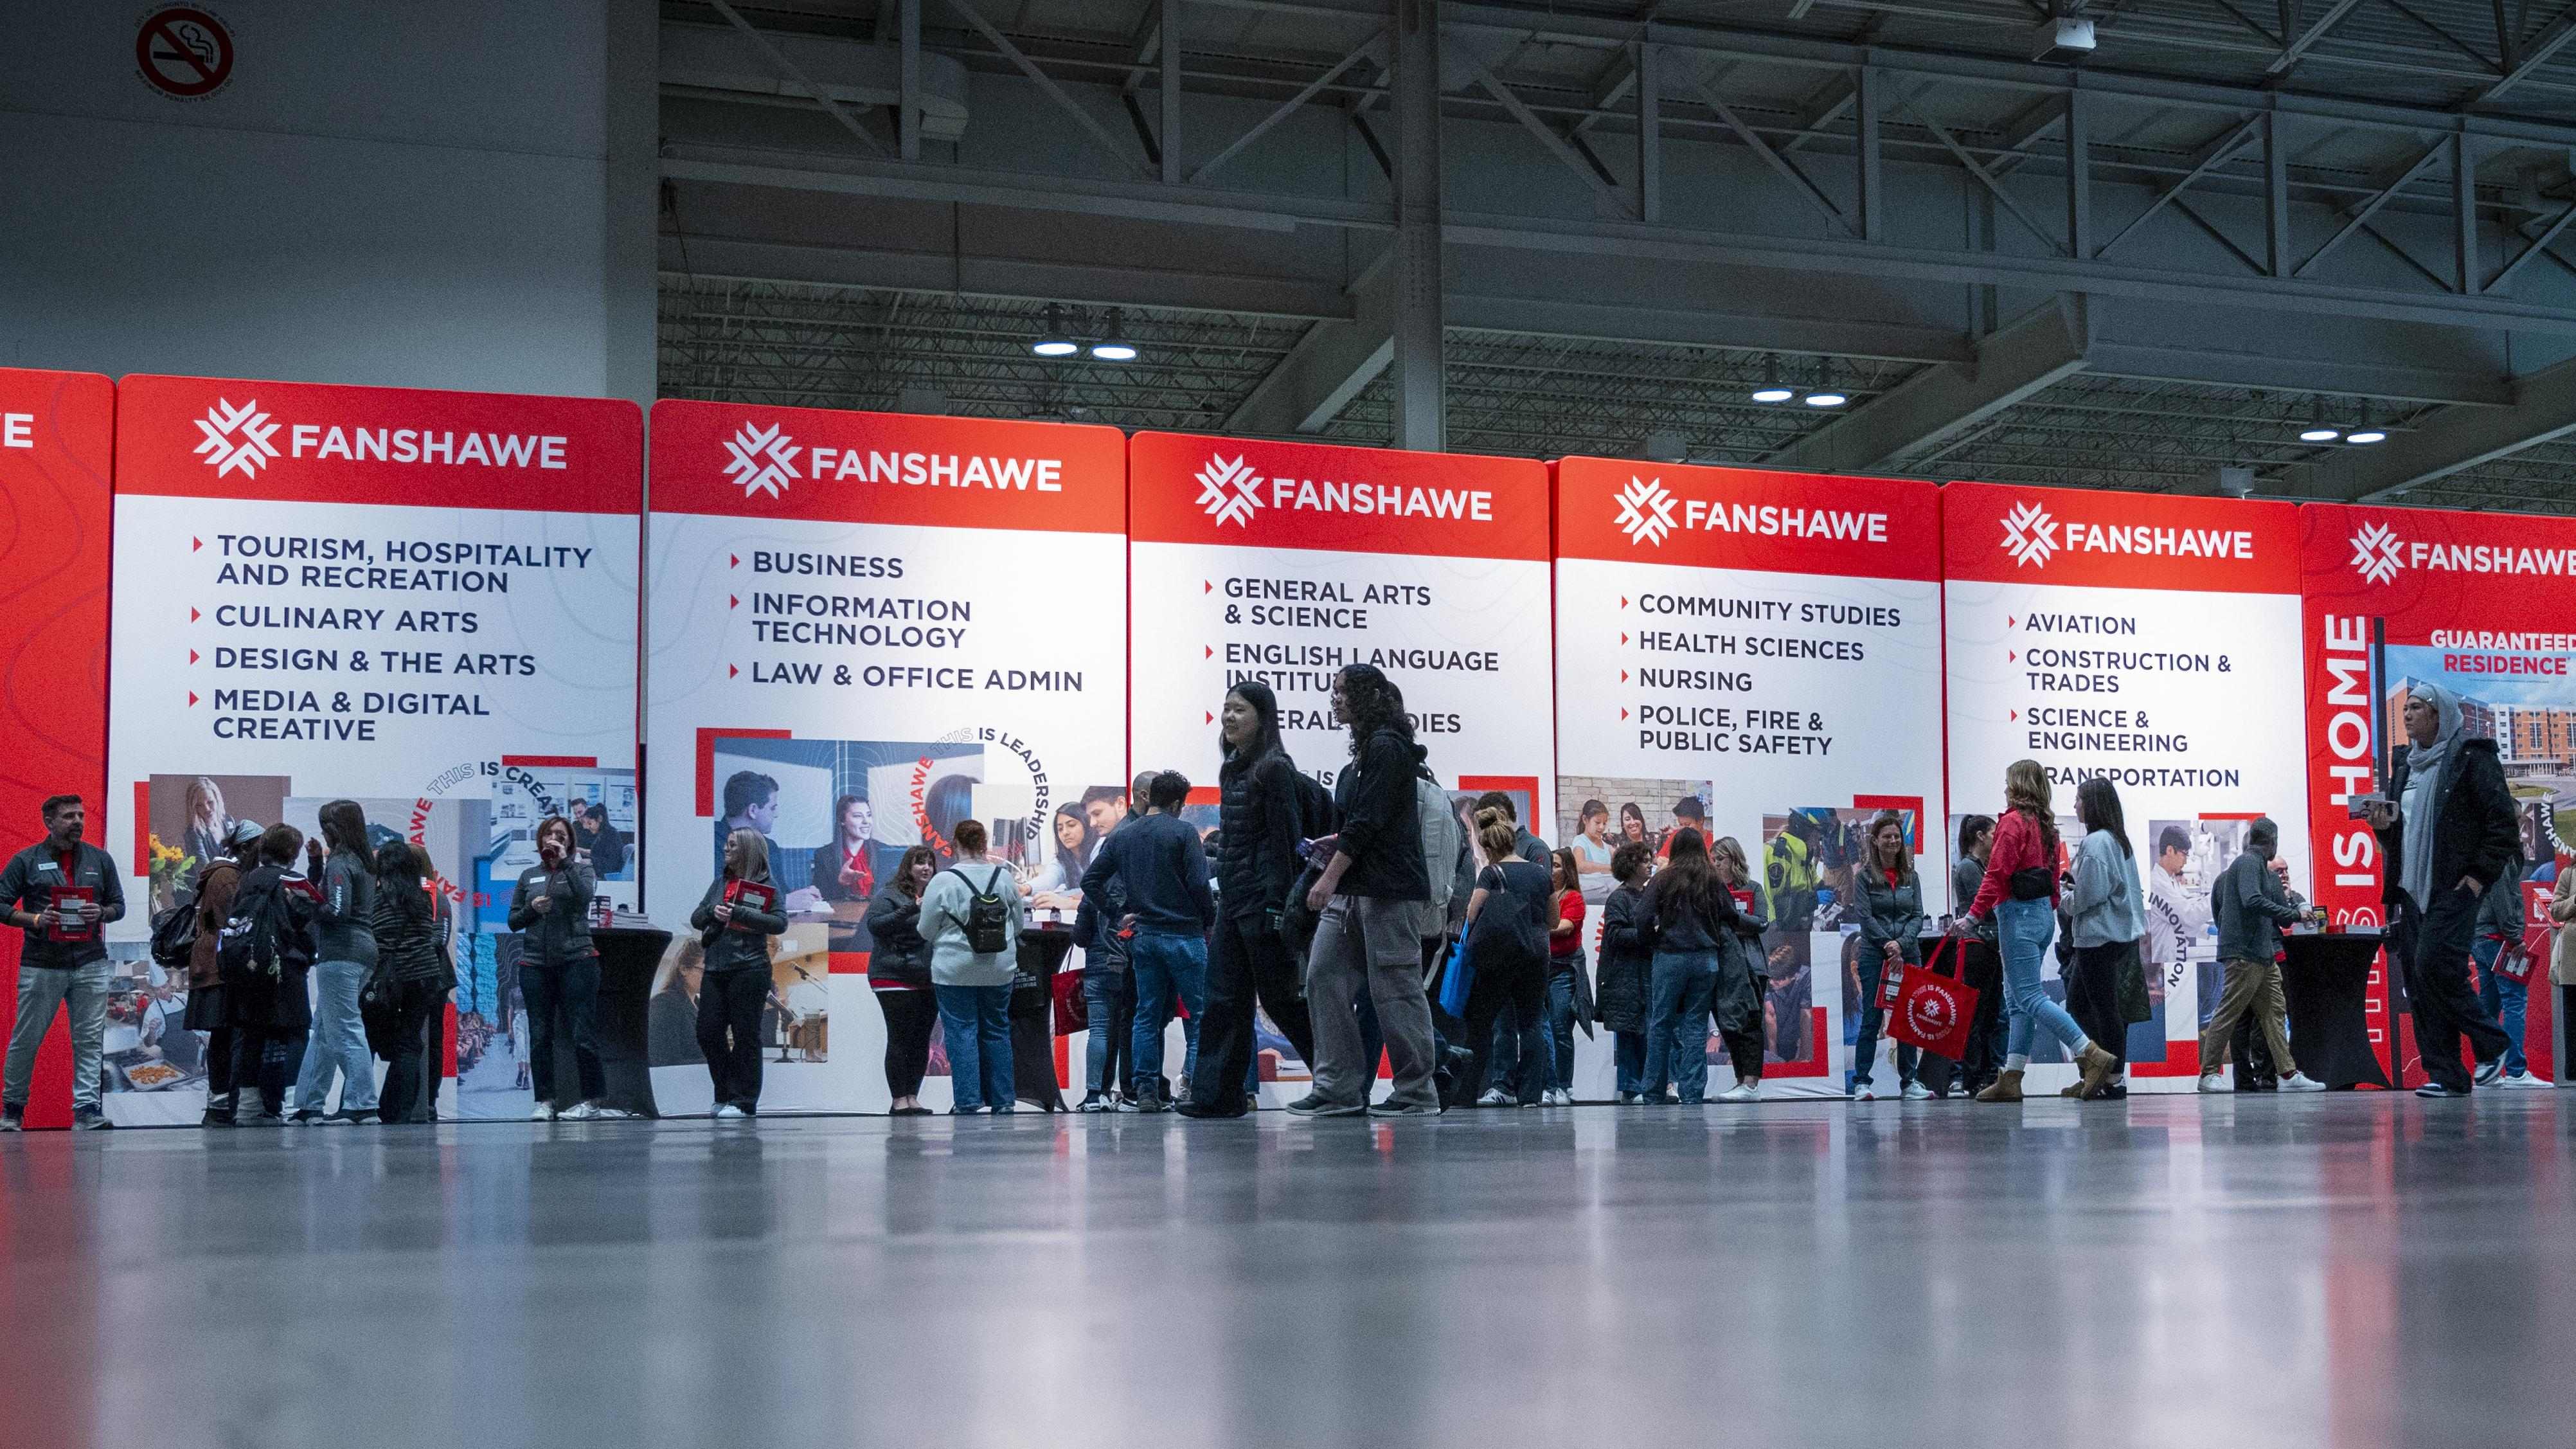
405, 195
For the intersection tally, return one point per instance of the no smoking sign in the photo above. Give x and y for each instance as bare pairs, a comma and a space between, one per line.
184, 53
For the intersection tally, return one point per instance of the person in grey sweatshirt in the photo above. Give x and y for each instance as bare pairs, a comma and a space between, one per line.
336, 1049
2252, 906
559, 969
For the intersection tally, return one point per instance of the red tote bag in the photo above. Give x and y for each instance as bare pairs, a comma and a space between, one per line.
1934, 1009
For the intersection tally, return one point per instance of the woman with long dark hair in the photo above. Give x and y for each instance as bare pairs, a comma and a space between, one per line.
2020, 892
1686, 917
559, 969
269, 1009
1626, 961
899, 978
1891, 920
1565, 967
1068, 851
1259, 824
346, 956
1370, 897
412, 959
2107, 911
735, 931
841, 870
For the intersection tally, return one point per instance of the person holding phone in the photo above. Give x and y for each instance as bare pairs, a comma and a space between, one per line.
559, 971
62, 892
2449, 830
734, 922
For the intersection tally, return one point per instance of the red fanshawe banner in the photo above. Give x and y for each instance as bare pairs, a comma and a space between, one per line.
2483, 604
57, 433
202, 437
2001, 534
903, 468
1254, 494
1745, 518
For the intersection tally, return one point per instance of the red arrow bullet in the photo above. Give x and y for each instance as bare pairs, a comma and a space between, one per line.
1623, 638
1206, 588
192, 656
193, 615
1211, 719
1211, 650
737, 559
2012, 656
195, 544
192, 699
1623, 601
733, 601
732, 670
2010, 622
1623, 676
2016, 716
1623, 714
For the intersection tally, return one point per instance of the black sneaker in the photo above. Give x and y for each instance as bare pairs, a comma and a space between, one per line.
13, 1119
1093, 1102
1196, 1109
92, 1120
2438, 1091
218, 1117
2489, 1071
1150, 1100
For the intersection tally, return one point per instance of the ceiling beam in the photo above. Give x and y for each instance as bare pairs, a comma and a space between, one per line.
1332, 364
1938, 404
2448, 441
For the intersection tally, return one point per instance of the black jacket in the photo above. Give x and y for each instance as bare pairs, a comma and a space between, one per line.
407, 935
1626, 957
900, 957
1685, 927
1257, 827
2476, 830
561, 934
1380, 831
741, 944
1889, 913
28, 884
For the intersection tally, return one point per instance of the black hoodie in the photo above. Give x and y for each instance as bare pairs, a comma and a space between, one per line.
1257, 817
1381, 832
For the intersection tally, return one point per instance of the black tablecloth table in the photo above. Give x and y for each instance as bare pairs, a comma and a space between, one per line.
1033, 1080
627, 961
2326, 977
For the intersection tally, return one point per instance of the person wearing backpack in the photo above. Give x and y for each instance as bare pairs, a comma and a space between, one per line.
1161, 866
972, 915
413, 968
264, 955
1507, 922
64, 962
1370, 898
1685, 920
1260, 822
217, 882
337, 1047
734, 929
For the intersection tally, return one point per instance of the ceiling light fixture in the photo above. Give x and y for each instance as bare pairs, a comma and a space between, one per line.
2318, 429
2366, 434
1773, 390
1052, 339
1114, 347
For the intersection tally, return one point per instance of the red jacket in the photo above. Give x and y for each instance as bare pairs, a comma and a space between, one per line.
2018, 846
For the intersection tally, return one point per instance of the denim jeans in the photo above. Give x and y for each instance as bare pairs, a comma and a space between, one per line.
2507, 1000
1873, 976
1165, 967
1678, 987
571, 991
1109, 1003
41, 989
1560, 1025
1629, 1049
976, 1022
336, 1049
2026, 928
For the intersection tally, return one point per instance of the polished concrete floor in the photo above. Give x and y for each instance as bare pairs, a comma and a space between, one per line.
2351, 1270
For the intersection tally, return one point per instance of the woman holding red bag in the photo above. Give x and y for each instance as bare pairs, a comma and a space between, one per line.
2020, 892
1891, 920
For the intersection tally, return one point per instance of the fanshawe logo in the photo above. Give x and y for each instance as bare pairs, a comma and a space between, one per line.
236, 439
2033, 537
2380, 555
2377, 553
2030, 535
1645, 511
1931, 1013
1230, 491
764, 459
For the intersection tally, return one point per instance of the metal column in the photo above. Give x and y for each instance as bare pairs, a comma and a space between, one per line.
1421, 393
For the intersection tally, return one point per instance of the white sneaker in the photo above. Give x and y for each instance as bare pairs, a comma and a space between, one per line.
2301, 1082
2213, 1082
1864, 1093
728, 1112
2489, 1071
1495, 1097
1742, 1092
579, 1112
2523, 1080
611, 1114
1917, 1092
545, 1112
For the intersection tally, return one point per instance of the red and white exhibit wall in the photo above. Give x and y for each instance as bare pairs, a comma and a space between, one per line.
1285, 562
57, 433
1758, 653
2481, 604
866, 628
420, 601
859, 629
2151, 641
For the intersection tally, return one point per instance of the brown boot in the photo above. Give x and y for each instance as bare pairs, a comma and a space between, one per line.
2098, 1066
2007, 1088
2072, 1089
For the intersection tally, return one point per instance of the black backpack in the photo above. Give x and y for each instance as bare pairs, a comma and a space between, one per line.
1314, 807
174, 935
250, 947
1503, 935
988, 916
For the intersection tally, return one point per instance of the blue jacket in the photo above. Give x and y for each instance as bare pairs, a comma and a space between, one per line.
1163, 868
